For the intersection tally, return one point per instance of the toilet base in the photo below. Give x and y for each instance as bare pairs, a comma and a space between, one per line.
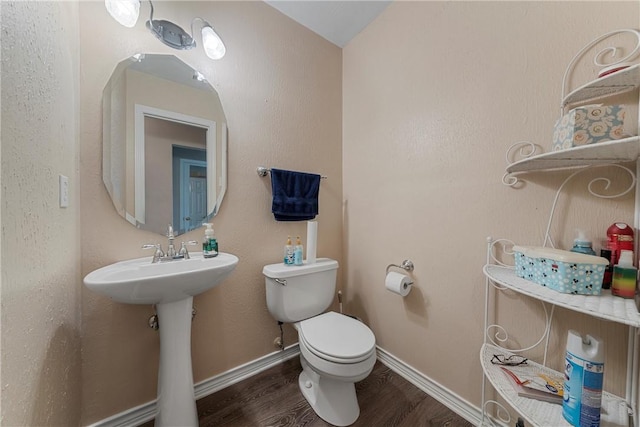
333, 400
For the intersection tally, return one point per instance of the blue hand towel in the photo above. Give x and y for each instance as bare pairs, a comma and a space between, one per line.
295, 195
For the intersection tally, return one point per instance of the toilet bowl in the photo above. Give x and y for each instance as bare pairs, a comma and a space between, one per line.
336, 351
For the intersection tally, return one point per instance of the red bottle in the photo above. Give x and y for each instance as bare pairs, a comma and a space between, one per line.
619, 237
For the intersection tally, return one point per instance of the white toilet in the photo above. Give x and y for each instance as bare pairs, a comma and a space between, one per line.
336, 351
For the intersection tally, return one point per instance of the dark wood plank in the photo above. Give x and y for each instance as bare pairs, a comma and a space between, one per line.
272, 399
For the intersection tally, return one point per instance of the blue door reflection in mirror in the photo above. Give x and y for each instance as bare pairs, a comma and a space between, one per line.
189, 188
175, 174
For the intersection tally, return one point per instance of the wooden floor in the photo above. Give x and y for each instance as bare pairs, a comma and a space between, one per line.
273, 399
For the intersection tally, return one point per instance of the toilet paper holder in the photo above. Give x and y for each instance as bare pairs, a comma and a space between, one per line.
406, 265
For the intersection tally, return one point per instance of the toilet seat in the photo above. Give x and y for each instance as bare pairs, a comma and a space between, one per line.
337, 338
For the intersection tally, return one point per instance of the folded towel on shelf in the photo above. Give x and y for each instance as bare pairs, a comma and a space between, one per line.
295, 195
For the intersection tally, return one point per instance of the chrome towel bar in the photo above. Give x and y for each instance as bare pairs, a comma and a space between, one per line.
262, 171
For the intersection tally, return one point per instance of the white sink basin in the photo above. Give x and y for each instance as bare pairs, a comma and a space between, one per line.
138, 281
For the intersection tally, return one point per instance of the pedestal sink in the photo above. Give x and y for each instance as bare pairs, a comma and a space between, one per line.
171, 286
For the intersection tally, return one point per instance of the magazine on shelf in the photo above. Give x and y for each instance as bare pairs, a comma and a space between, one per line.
531, 383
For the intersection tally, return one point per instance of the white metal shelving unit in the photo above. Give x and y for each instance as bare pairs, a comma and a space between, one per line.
616, 411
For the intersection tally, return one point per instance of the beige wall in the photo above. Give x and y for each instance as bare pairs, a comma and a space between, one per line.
433, 95
40, 241
280, 87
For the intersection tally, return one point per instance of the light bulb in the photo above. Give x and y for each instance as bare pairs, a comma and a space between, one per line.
124, 11
212, 44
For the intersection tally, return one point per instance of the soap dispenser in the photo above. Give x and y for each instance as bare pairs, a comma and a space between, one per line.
288, 252
582, 244
297, 252
209, 243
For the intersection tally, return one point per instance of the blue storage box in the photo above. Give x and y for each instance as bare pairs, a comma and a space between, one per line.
589, 124
563, 271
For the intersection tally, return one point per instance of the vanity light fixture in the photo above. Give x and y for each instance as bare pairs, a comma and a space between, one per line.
126, 13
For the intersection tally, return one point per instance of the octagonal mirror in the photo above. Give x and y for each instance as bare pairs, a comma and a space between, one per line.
164, 145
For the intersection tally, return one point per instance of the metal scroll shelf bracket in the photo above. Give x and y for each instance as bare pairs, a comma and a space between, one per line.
597, 187
498, 336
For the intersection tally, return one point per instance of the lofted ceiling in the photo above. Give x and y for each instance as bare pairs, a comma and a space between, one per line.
336, 20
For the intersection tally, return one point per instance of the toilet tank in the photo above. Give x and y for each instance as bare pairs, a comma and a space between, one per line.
296, 293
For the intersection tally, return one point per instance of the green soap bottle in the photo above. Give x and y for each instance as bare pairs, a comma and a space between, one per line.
624, 276
209, 243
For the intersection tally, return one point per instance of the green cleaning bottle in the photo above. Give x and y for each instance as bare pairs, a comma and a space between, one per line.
209, 243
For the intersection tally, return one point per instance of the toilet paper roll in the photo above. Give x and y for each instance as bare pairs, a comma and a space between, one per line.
312, 238
398, 283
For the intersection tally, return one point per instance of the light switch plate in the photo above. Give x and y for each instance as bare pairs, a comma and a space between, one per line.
64, 191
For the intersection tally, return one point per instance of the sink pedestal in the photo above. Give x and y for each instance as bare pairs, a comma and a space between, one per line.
176, 401
171, 286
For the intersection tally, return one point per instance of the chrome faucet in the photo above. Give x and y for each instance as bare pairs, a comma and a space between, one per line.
171, 250
171, 255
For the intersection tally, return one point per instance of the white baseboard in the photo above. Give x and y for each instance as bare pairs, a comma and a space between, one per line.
141, 414
242, 372
451, 400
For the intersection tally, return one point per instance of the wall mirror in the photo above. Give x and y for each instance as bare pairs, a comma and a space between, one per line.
164, 144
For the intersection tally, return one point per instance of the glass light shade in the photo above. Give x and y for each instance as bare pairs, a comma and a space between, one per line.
212, 44
124, 11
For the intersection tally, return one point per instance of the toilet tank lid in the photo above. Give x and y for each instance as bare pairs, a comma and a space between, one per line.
281, 271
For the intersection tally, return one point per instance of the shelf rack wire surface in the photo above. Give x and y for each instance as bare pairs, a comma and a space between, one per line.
617, 151
604, 306
614, 412
616, 83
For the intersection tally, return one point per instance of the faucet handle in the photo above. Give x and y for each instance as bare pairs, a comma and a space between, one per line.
158, 254
183, 248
